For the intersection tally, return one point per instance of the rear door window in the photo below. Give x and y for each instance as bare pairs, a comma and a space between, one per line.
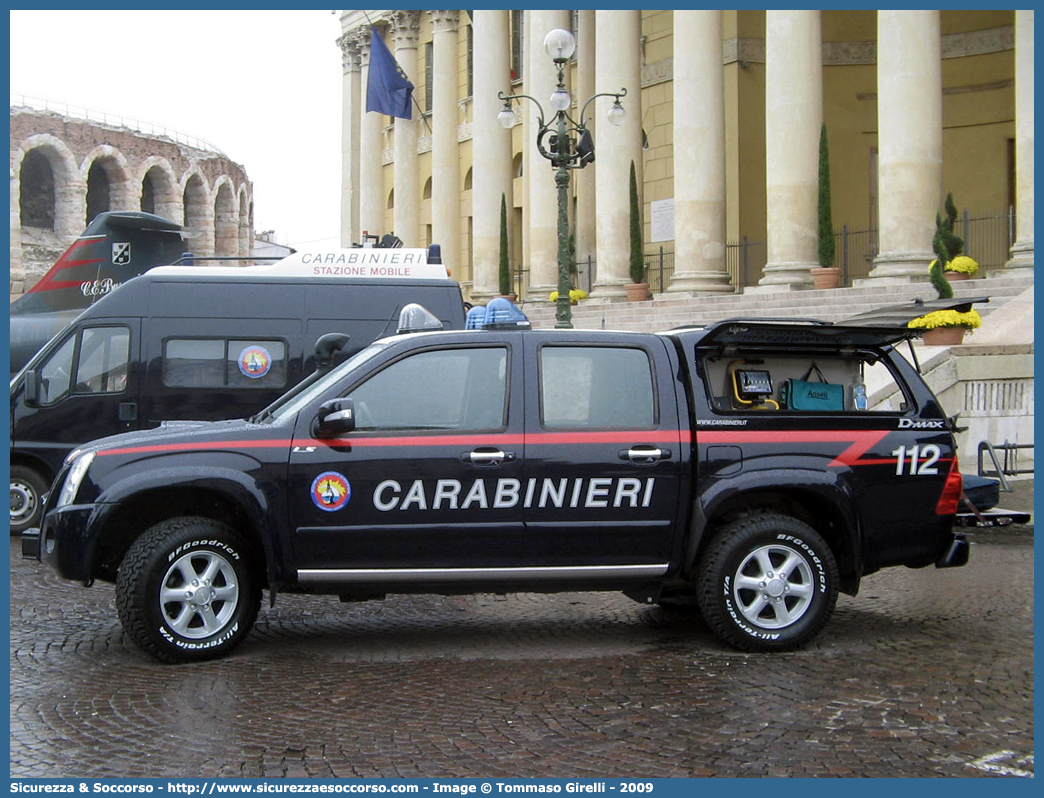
588, 387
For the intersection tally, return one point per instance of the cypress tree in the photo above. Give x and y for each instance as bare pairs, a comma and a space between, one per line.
505, 267
953, 243
826, 222
637, 260
935, 268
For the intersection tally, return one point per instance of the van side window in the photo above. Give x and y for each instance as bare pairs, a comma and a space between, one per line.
55, 374
99, 365
222, 363
596, 388
104, 352
256, 364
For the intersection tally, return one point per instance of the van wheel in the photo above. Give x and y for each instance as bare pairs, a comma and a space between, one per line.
27, 492
188, 590
767, 582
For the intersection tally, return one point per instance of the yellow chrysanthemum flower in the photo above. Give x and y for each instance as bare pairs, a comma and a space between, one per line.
575, 295
962, 263
947, 318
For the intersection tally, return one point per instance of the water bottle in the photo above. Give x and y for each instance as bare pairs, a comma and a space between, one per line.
859, 396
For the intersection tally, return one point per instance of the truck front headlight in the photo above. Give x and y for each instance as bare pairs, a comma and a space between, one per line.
74, 478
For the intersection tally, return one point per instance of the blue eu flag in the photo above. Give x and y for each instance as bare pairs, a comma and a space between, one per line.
388, 91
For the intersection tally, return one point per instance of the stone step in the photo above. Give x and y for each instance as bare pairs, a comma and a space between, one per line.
665, 311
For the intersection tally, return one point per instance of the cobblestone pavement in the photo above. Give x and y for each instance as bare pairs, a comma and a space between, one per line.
925, 673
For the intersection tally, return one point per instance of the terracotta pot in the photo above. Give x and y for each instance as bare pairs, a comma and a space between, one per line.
826, 276
944, 336
636, 292
956, 276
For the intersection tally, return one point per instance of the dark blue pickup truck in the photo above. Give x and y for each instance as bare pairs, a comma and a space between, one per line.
759, 467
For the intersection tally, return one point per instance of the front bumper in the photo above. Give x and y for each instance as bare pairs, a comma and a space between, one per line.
65, 542
956, 553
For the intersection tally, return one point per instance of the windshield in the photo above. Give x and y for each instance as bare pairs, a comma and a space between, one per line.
315, 386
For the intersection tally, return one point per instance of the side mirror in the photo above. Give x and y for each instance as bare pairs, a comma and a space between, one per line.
336, 417
32, 389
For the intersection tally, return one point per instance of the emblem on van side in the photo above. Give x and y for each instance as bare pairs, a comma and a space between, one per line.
255, 362
330, 491
121, 253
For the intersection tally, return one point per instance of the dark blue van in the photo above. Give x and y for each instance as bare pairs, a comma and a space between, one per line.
204, 343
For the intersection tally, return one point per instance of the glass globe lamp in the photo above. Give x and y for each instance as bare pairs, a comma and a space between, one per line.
560, 44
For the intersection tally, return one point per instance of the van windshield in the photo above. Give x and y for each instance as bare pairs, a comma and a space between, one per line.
314, 386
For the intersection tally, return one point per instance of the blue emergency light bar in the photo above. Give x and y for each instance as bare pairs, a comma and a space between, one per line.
499, 314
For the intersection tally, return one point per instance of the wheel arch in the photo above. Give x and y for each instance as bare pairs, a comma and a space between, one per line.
227, 502
37, 464
824, 504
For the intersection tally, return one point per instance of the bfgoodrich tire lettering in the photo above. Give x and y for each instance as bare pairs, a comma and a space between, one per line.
188, 590
767, 582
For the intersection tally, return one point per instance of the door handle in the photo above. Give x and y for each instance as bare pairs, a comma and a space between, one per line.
487, 457
645, 454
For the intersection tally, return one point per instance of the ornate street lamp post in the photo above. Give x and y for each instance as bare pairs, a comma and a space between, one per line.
566, 143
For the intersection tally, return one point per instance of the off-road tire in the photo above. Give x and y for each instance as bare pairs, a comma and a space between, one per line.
188, 590
767, 582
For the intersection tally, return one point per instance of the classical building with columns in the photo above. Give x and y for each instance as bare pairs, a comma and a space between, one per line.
724, 115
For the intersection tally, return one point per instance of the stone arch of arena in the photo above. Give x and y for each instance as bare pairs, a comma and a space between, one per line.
65, 170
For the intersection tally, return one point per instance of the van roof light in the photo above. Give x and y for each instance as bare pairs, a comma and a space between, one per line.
417, 318
501, 314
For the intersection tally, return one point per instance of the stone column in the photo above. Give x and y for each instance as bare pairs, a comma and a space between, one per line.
542, 202
586, 197
199, 218
245, 232
18, 285
371, 172
226, 222
909, 122
617, 66
1022, 251
793, 118
445, 158
405, 31
351, 89
168, 201
70, 205
699, 154
491, 148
